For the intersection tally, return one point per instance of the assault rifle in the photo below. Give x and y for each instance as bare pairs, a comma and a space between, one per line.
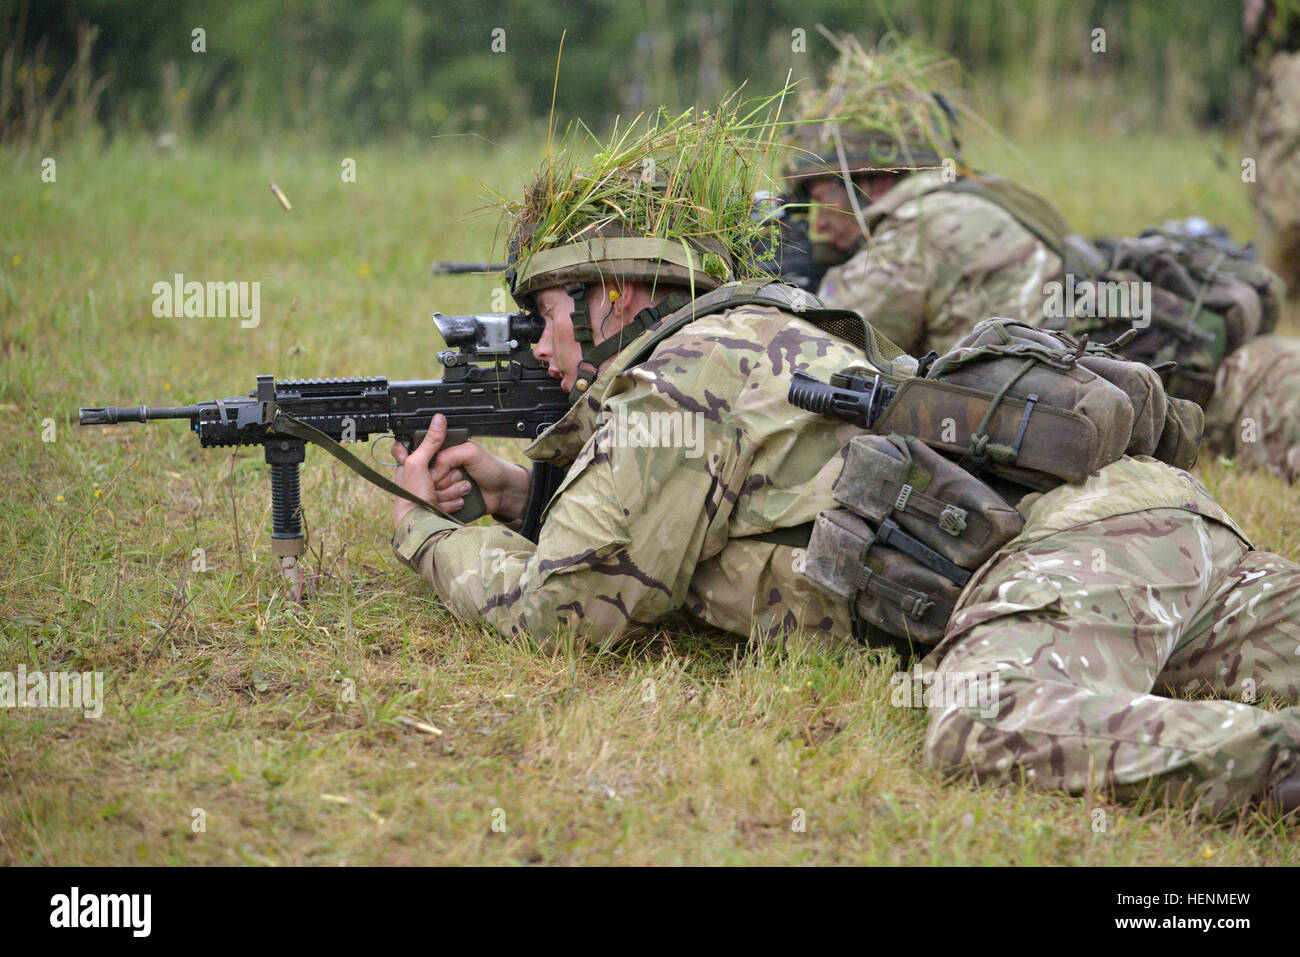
492, 386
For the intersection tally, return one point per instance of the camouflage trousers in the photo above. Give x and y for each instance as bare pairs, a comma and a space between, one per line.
1255, 413
1273, 139
1087, 628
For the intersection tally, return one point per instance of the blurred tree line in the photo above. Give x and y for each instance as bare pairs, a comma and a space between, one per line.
351, 69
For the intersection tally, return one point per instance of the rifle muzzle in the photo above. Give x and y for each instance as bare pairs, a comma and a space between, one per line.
113, 414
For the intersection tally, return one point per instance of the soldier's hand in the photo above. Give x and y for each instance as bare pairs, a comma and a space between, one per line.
504, 486
414, 468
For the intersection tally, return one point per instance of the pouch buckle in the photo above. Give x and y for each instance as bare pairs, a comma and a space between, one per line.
953, 520
904, 494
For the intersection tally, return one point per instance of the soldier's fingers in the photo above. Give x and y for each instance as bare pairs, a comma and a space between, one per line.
421, 457
399, 452
448, 459
450, 480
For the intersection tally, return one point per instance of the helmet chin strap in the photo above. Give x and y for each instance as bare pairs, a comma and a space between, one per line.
582, 335
593, 354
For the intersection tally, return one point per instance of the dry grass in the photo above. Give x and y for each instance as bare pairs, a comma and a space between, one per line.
684, 179
280, 722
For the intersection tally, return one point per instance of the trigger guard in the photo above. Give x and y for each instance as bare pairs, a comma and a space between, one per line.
377, 459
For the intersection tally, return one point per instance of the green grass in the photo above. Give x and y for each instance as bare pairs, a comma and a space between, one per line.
280, 722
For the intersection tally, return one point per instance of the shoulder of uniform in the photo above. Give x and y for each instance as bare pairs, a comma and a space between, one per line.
942, 200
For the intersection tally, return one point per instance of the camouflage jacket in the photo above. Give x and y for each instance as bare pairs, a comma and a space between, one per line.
642, 527
937, 263
638, 530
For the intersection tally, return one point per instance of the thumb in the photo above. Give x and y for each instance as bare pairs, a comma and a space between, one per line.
437, 432
423, 453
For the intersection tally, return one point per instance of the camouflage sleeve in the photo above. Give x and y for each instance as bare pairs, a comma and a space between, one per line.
889, 283
621, 540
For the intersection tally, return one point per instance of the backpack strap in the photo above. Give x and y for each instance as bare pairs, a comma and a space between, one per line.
843, 324
1036, 215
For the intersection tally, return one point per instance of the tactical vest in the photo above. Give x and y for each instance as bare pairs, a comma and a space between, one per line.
1023, 408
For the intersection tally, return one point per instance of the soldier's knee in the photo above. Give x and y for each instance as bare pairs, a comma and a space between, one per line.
963, 741
947, 739
976, 733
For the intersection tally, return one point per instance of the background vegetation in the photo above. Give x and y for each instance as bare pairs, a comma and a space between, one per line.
282, 722
351, 70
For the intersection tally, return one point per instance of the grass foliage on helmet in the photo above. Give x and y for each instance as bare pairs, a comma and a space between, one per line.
666, 199
885, 108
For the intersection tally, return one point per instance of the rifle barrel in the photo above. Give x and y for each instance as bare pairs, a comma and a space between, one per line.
443, 267
112, 414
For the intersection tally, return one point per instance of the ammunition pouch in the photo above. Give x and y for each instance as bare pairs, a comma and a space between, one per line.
1030, 407
939, 503
882, 586
1039, 408
914, 528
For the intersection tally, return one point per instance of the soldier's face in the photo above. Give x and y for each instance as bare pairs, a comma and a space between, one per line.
557, 347
833, 221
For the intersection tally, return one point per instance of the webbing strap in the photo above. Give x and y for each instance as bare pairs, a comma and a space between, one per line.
794, 536
582, 335
912, 603
891, 534
949, 517
641, 322
288, 425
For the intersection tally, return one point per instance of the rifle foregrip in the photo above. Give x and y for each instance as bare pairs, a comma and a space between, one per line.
474, 507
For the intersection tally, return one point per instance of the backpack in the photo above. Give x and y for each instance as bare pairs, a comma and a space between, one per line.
1208, 296
1204, 304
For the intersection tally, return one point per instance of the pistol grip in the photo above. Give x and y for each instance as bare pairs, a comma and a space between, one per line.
474, 506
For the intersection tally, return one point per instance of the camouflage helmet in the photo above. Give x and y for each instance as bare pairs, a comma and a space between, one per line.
616, 254
666, 203
879, 110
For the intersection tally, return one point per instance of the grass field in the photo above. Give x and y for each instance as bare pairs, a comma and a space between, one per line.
274, 725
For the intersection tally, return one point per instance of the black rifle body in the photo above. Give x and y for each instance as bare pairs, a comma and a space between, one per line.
492, 387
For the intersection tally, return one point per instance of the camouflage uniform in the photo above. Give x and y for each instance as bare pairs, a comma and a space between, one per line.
1132, 585
635, 533
937, 263
1273, 140
1255, 413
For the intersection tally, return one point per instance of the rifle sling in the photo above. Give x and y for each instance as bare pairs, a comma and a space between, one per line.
288, 425
792, 536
